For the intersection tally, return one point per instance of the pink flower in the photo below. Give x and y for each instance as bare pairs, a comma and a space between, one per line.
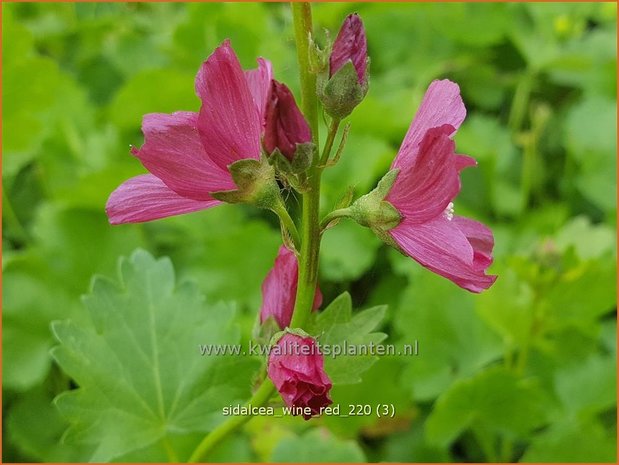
285, 126
279, 289
455, 247
187, 154
350, 45
296, 367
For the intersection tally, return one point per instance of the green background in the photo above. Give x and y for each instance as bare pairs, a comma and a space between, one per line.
525, 371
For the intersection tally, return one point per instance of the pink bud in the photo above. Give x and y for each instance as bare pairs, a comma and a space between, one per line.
350, 45
296, 367
279, 289
285, 125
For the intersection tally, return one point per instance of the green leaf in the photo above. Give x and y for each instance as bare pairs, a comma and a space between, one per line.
317, 445
140, 374
507, 307
589, 131
590, 241
585, 442
489, 21
94, 243
36, 427
452, 341
380, 386
588, 387
30, 300
347, 251
225, 251
494, 400
38, 97
340, 331
143, 94
411, 447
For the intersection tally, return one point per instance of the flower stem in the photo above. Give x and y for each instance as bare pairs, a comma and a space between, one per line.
260, 397
288, 223
326, 151
310, 234
302, 18
339, 213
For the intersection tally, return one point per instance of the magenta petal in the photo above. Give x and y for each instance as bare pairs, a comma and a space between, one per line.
146, 198
441, 105
464, 161
259, 81
350, 45
424, 188
285, 125
442, 247
279, 289
173, 152
296, 368
481, 239
229, 121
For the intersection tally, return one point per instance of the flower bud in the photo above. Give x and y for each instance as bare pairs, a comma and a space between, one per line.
350, 45
279, 289
296, 367
346, 84
285, 125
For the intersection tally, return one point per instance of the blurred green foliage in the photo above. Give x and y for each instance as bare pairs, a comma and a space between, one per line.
525, 371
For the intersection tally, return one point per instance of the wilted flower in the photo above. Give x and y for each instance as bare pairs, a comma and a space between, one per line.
414, 200
344, 85
297, 369
279, 289
285, 126
188, 154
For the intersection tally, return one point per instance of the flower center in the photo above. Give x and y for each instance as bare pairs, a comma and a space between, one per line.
449, 211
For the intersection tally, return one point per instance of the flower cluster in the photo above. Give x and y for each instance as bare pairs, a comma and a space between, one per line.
249, 136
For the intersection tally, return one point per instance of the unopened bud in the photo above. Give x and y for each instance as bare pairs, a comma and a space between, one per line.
285, 125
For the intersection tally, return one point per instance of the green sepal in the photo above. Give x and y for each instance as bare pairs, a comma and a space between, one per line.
341, 204
294, 173
301, 160
341, 93
256, 184
373, 211
263, 332
296, 331
319, 58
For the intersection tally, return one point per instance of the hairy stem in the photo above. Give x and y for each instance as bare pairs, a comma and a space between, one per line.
310, 234
288, 224
339, 213
326, 151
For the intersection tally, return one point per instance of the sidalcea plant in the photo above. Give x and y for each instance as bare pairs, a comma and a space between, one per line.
250, 139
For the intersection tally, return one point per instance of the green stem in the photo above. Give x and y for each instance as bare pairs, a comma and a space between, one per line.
339, 213
310, 234
326, 151
288, 223
260, 397
302, 18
